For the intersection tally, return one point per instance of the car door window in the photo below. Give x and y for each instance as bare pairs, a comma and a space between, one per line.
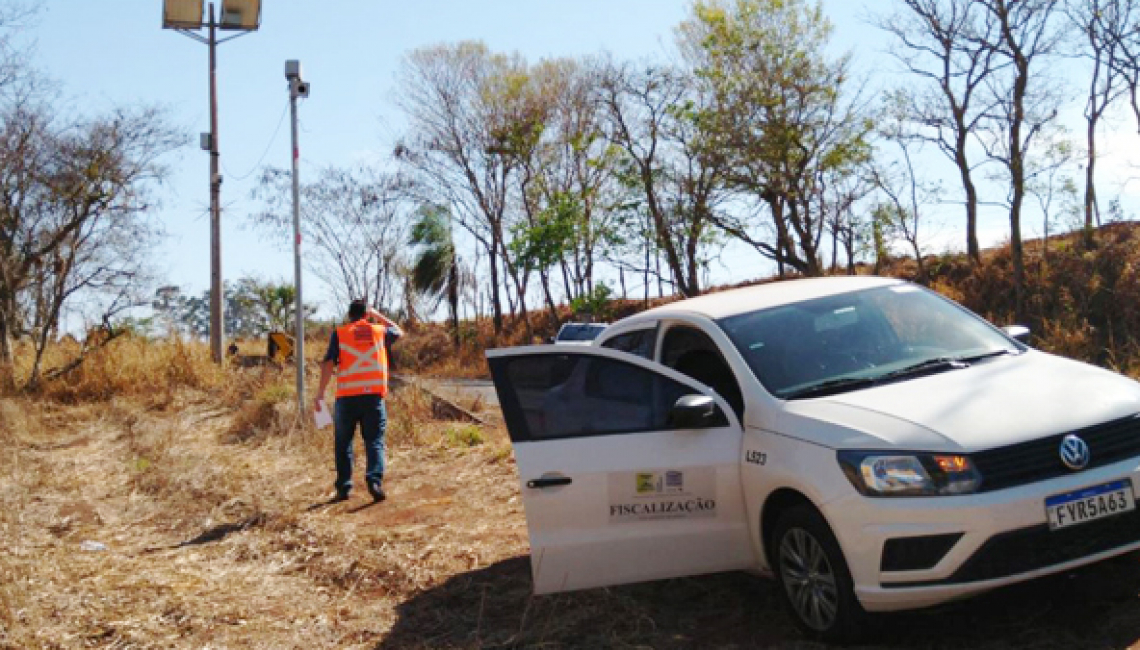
565, 396
639, 342
691, 352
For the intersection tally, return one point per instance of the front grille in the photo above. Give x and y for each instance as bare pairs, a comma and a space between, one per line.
915, 553
1040, 459
1037, 547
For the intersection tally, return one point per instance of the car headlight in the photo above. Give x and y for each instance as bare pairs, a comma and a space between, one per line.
885, 474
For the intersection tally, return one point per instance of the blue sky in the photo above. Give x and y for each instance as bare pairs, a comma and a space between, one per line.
112, 54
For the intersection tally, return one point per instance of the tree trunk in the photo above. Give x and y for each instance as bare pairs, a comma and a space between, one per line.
496, 299
691, 285
6, 356
453, 299
544, 275
1091, 213
520, 289
973, 250
922, 279
835, 247
567, 289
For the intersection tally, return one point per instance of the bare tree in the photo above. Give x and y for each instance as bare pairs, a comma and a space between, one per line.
1049, 182
905, 194
1118, 27
838, 198
1098, 22
943, 42
355, 222
459, 143
73, 201
675, 175
1024, 104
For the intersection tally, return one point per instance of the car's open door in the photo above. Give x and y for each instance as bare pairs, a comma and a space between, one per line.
629, 471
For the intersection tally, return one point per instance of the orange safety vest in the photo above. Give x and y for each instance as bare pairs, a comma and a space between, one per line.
362, 367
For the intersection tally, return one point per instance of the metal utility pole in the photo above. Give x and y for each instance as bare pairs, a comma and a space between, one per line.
297, 88
217, 304
185, 16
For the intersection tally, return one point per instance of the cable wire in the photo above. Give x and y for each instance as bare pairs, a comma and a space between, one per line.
272, 140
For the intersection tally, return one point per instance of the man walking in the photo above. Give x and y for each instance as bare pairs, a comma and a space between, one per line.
357, 354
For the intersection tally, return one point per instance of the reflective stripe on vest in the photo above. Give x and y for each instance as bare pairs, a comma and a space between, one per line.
363, 362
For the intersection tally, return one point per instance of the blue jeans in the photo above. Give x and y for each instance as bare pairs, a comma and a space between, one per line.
368, 411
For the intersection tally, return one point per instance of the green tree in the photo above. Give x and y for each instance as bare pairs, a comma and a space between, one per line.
549, 239
253, 308
268, 306
781, 113
435, 269
567, 180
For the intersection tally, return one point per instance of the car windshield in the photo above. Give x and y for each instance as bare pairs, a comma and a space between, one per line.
855, 340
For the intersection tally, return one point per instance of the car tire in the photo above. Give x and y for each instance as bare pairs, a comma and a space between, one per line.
815, 582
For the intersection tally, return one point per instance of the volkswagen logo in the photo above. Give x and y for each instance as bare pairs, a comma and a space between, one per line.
1074, 452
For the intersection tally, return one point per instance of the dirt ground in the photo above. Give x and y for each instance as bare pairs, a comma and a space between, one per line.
131, 525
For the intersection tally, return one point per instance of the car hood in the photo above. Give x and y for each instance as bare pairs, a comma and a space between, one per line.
992, 403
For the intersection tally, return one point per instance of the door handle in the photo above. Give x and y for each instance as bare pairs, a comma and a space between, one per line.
549, 481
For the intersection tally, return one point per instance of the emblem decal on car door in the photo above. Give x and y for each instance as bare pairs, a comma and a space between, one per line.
662, 494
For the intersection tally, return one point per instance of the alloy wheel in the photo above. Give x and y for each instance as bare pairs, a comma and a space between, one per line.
809, 579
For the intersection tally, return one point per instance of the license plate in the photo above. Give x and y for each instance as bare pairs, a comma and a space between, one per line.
1089, 504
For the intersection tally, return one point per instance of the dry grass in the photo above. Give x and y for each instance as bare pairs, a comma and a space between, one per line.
211, 498
218, 533
213, 510
126, 367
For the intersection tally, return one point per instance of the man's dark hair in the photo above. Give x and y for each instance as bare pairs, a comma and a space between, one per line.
357, 309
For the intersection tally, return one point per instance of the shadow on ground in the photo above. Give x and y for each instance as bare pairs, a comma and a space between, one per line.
1097, 607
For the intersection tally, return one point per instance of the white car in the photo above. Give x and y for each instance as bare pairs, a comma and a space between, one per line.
578, 333
871, 444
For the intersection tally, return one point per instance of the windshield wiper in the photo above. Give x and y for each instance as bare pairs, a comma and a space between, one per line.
937, 364
986, 355
831, 387
928, 366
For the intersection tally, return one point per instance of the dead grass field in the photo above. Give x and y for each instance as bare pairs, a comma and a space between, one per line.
213, 510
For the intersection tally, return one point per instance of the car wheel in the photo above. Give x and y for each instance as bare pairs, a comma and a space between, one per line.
813, 576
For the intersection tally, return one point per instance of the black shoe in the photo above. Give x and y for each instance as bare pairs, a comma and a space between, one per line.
341, 495
376, 492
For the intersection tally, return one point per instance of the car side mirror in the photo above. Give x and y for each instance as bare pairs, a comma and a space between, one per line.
1017, 333
692, 411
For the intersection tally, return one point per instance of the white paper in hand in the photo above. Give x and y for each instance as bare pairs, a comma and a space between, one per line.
322, 416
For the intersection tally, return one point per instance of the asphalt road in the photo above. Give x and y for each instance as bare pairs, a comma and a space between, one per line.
461, 391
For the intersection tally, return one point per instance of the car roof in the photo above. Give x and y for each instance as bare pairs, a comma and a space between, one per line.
772, 294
